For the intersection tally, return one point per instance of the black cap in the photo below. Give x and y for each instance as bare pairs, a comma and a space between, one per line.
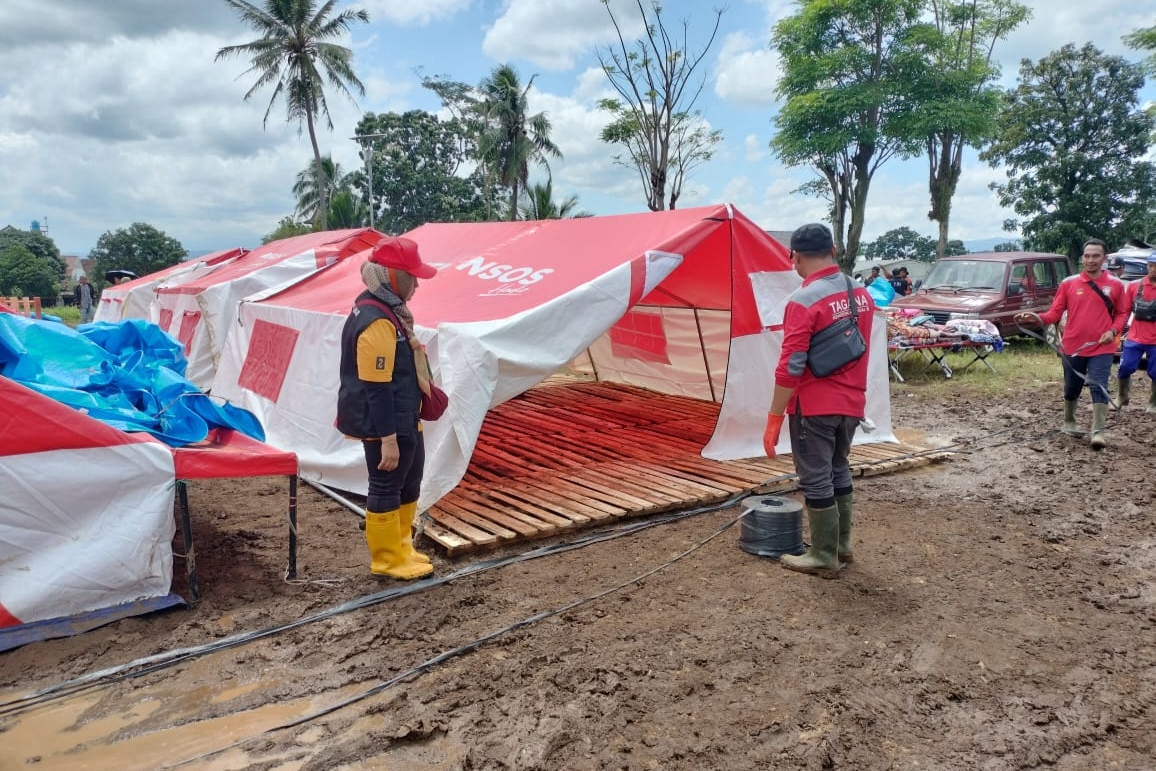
813, 237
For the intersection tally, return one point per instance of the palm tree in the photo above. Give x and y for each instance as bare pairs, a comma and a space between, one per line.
511, 139
294, 53
347, 210
311, 188
539, 204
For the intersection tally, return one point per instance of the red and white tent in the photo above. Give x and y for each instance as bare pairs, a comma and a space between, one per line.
199, 309
687, 301
86, 514
132, 299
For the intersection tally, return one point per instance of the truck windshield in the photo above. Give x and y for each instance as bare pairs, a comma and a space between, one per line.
965, 274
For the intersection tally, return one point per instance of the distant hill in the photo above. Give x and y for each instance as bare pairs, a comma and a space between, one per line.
988, 244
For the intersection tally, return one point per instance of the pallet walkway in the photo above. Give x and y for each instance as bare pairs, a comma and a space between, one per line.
565, 456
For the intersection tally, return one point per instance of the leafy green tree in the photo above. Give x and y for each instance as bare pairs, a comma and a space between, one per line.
287, 228
512, 138
1008, 246
901, 244
295, 54
24, 274
653, 119
848, 67
36, 242
1144, 39
1073, 139
954, 247
140, 248
422, 170
538, 204
347, 210
959, 97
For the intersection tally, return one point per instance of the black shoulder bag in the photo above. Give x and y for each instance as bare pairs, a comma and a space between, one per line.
839, 344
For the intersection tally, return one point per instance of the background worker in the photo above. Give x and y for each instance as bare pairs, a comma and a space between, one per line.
85, 296
1140, 301
1097, 312
824, 411
379, 400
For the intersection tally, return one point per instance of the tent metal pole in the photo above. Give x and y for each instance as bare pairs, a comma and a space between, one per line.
705, 360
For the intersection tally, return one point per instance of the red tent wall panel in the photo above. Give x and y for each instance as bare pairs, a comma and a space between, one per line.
268, 357
639, 335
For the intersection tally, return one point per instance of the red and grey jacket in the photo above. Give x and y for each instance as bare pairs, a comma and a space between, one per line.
1142, 331
367, 409
818, 303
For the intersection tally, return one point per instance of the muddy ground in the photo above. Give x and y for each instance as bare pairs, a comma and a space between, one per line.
1000, 615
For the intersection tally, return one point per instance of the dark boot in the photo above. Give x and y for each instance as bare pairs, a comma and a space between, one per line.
1152, 399
1071, 428
843, 503
1125, 392
820, 558
1099, 420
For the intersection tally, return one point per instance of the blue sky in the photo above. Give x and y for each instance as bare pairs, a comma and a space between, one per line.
114, 112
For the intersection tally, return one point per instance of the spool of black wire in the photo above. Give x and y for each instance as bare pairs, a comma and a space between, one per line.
771, 526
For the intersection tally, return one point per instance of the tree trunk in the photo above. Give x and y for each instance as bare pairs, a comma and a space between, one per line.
318, 174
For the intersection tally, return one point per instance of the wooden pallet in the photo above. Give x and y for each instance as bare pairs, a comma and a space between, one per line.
569, 455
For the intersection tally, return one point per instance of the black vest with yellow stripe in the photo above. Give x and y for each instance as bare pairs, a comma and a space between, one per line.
354, 413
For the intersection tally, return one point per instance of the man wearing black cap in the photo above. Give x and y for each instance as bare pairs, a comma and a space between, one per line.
824, 411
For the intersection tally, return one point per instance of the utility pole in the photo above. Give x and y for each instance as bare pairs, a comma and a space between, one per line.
366, 152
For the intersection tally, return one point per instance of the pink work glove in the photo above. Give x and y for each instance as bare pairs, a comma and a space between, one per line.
771, 433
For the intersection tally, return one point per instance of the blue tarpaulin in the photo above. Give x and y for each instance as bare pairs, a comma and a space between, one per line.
128, 374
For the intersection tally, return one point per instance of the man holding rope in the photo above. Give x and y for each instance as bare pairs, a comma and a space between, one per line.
1097, 312
1140, 300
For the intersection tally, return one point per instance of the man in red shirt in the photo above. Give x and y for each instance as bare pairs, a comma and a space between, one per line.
1097, 312
824, 411
1140, 301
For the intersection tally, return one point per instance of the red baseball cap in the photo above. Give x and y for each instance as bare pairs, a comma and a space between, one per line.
401, 253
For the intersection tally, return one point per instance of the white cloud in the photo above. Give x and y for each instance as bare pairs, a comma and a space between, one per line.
748, 71
553, 35
756, 149
410, 12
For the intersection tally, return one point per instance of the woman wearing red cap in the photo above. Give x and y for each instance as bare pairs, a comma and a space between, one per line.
379, 401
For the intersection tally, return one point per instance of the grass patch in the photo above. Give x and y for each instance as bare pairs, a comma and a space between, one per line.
1023, 362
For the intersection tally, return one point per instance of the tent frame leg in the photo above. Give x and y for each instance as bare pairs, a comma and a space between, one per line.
291, 568
190, 549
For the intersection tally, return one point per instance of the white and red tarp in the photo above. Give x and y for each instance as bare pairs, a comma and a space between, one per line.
198, 309
685, 302
132, 299
86, 513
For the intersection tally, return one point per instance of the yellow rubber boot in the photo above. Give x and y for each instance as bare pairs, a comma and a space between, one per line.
406, 514
386, 551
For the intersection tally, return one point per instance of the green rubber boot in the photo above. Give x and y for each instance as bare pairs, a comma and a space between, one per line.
820, 558
1125, 392
1071, 428
843, 504
1152, 399
1099, 420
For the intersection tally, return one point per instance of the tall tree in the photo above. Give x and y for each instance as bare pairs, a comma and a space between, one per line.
959, 99
295, 54
1073, 139
140, 248
538, 204
310, 196
422, 171
848, 66
900, 244
1144, 39
654, 118
24, 274
512, 138
37, 243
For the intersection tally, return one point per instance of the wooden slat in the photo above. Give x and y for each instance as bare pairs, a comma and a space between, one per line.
568, 455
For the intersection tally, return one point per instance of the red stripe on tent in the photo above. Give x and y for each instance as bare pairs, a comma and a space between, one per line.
166, 319
32, 422
7, 619
637, 281
268, 357
189, 322
639, 335
227, 453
